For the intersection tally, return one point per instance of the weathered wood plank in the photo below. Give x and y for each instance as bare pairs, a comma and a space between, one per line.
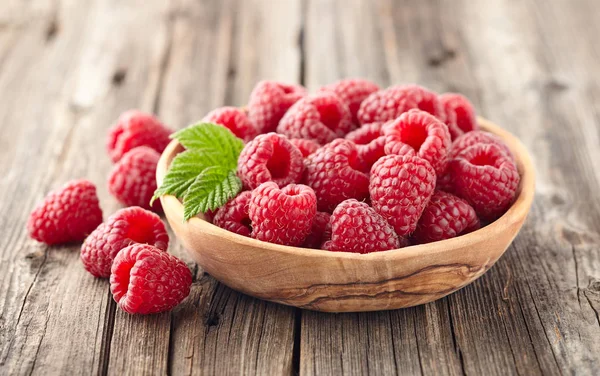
530, 314
219, 50
59, 97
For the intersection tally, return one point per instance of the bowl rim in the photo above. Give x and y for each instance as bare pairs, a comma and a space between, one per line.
516, 213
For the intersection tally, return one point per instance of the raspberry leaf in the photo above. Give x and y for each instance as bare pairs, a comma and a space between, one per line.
211, 139
203, 176
213, 188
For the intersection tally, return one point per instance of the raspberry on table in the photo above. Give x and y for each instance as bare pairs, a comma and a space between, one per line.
145, 279
388, 104
478, 137
352, 91
133, 178
446, 216
370, 142
320, 231
282, 216
400, 189
270, 157
135, 128
268, 102
487, 178
424, 133
234, 119
234, 217
356, 227
460, 114
67, 214
320, 117
334, 171
126, 227
306, 147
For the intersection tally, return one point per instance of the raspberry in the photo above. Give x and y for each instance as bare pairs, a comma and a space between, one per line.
478, 137
306, 147
320, 231
446, 216
268, 102
320, 117
352, 91
282, 216
133, 179
370, 142
233, 216
427, 135
135, 128
270, 157
145, 279
400, 188
460, 114
234, 119
356, 227
485, 177
125, 227
67, 214
335, 173
388, 104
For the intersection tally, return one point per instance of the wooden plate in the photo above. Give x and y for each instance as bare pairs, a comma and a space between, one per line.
348, 282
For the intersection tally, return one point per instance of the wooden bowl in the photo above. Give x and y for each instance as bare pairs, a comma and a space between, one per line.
348, 282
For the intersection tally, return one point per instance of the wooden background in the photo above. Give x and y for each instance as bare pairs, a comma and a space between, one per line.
69, 67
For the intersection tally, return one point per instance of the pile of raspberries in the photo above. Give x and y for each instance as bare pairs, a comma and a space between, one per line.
350, 168
356, 168
130, 247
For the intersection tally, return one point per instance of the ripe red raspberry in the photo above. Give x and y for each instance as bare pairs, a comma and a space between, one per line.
133, 179
282, 216
370, 142
446, 216
478, 137
234, 217
320, 231
460, 114
268, 102
125, 227
270, 157
356, 227
135, 128
234, 119
335, 173
306, 147
352, 91
427, 135
400, 188
320, 117
67, 214
388, 104
485, 177
145, 279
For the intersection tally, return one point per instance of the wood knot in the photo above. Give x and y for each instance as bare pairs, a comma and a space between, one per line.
119, 76
212, 319
52, 30
594, 286
441, 58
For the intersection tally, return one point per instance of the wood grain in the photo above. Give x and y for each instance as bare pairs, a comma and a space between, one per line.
68, 68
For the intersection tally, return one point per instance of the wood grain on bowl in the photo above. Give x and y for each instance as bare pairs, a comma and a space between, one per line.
347, 282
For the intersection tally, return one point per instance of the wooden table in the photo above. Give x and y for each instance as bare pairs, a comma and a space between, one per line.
69, 67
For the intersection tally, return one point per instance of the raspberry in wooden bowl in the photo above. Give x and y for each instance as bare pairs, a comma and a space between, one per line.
349, 282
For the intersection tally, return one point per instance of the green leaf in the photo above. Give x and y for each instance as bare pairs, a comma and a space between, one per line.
184, 169
213, 188
204, 175
211, 139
